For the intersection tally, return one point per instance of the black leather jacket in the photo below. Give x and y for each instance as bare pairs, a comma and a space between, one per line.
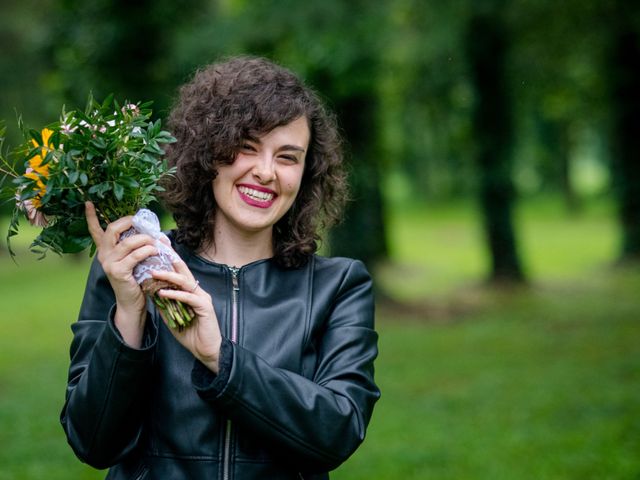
293, 397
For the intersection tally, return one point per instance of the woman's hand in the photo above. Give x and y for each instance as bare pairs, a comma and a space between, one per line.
202, 338
118, 258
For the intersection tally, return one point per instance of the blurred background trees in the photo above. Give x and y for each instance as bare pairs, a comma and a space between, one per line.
486, 101
109, 46
487, 140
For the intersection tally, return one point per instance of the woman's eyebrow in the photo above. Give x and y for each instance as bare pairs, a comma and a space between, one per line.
291, 147
283, 148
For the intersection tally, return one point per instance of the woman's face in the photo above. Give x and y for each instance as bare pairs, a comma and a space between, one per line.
259, 187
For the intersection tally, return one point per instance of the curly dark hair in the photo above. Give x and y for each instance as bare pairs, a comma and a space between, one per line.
222, 106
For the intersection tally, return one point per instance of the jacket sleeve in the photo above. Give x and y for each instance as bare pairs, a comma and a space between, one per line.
107, 382
316, 423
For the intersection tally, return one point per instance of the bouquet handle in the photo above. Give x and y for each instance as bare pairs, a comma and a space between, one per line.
178, 315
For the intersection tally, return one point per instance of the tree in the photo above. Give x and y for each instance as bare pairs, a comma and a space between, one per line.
557, 93
493, 133
115, 46
362, 233
623, 71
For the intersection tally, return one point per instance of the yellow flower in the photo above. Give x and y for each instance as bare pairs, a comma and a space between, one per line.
36, 170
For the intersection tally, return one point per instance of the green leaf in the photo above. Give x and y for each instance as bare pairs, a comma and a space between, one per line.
26, 194
118, 191
155, 127
36, 135
99, 143
106, 104
129, 182
100, 189
78, 226
13, 229
165, 137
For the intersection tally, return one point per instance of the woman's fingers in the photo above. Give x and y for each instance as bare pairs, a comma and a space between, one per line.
109, 237
164, 239
181, 267
132, 243
180, 277
179, 295
185, 281
116, 229
138, 255
95, 230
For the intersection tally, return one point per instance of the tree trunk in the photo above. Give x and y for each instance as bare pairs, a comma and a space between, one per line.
624, 81
493, 132
558, 171
362, 233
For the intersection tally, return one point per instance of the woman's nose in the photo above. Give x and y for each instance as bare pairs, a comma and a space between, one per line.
264, 170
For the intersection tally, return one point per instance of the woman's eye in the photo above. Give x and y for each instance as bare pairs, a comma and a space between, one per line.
289, 158
249, 147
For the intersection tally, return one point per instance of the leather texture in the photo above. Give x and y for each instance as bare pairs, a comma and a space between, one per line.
292, 400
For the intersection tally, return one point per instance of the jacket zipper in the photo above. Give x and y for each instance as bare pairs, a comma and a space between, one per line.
142, 472
226, 453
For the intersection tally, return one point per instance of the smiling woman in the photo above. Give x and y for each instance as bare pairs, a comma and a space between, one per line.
257, 189
226, 110
274, 377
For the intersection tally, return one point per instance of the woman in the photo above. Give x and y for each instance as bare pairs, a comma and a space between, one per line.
274, 379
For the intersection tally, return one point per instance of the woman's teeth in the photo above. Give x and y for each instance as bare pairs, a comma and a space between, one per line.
255, 194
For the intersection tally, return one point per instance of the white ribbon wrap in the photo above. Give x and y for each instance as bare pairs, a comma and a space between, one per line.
146, 222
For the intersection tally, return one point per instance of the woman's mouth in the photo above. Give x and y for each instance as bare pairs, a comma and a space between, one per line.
257, 196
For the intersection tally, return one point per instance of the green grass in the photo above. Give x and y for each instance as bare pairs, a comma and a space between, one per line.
39, 302
437, 249
532, 383
543, 384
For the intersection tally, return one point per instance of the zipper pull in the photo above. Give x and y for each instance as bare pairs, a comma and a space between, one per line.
234, 277
235, 292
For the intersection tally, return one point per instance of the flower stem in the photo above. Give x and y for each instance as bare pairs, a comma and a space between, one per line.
178, 315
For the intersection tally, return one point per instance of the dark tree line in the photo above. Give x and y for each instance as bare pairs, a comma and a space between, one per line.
432, 89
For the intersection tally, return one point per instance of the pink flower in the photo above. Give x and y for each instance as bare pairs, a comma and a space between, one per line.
131, 108
67, 129
35, 216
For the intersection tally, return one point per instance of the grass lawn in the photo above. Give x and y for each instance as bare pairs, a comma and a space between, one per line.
533, 383
39, 302
542, 384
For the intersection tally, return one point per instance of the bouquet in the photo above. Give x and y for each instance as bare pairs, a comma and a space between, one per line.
111, 155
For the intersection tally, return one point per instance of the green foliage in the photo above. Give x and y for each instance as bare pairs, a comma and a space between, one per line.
109, 154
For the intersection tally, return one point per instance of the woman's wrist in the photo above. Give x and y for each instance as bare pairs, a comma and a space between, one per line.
130, 324
211, 364
212, 361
